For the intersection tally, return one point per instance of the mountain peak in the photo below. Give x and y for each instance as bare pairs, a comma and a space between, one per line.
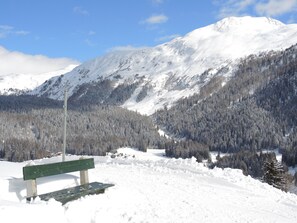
245, 22
148, 79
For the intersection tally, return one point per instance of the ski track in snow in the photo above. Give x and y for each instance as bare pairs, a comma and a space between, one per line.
148, 188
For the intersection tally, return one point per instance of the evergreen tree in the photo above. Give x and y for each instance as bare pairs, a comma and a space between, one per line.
274, 174
295, 179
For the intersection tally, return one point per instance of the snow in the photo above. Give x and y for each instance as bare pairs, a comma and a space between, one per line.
11, 82
172, 70
214, 154
292, 170
162, 133
278, 155
148, 188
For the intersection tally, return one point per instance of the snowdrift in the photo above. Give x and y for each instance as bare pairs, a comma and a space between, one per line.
148, 188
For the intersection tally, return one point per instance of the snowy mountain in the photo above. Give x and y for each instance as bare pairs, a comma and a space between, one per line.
148, 188
14, 83
149, 79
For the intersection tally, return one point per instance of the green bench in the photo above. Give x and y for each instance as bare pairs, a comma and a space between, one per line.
31, 173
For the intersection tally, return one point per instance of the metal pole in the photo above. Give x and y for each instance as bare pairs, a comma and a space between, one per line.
65, 124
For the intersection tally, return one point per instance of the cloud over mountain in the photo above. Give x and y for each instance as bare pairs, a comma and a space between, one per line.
13, 62
23, 71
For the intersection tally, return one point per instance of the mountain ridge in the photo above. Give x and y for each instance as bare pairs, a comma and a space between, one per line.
16, 83
151, 78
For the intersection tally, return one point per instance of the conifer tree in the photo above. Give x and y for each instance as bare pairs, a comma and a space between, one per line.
274, 174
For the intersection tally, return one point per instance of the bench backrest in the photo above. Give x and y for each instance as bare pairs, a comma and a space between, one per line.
36, 171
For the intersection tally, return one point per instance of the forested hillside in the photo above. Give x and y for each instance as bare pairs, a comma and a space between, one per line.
93, 131
26, 102
254, 110
31, 127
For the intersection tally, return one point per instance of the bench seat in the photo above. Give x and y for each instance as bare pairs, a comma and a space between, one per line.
31, 173
73, 193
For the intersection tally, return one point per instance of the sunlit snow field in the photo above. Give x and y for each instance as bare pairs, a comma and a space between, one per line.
148, 188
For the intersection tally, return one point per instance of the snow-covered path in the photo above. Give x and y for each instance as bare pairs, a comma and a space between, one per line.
150, 188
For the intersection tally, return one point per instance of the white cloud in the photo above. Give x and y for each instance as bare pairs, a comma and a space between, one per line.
6, 31
6, 27
276, 7
167, 38
80, 11
13, 62
260, 7
91, 33
155, 19
125, 48
233, 7
90, 43
21, 32
157, 2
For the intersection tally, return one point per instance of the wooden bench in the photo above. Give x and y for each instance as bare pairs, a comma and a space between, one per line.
31, 173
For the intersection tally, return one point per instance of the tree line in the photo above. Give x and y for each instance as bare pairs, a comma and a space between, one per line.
31, 134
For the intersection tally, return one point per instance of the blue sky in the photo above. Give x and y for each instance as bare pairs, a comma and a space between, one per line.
84, 29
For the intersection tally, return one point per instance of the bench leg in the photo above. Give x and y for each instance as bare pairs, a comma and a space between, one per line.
31, 189
84, 177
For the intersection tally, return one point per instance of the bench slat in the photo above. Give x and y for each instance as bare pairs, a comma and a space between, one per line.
33, 172
73, 193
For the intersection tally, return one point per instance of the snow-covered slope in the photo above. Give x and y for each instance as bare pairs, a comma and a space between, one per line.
148, 188
11, 83
179, 68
